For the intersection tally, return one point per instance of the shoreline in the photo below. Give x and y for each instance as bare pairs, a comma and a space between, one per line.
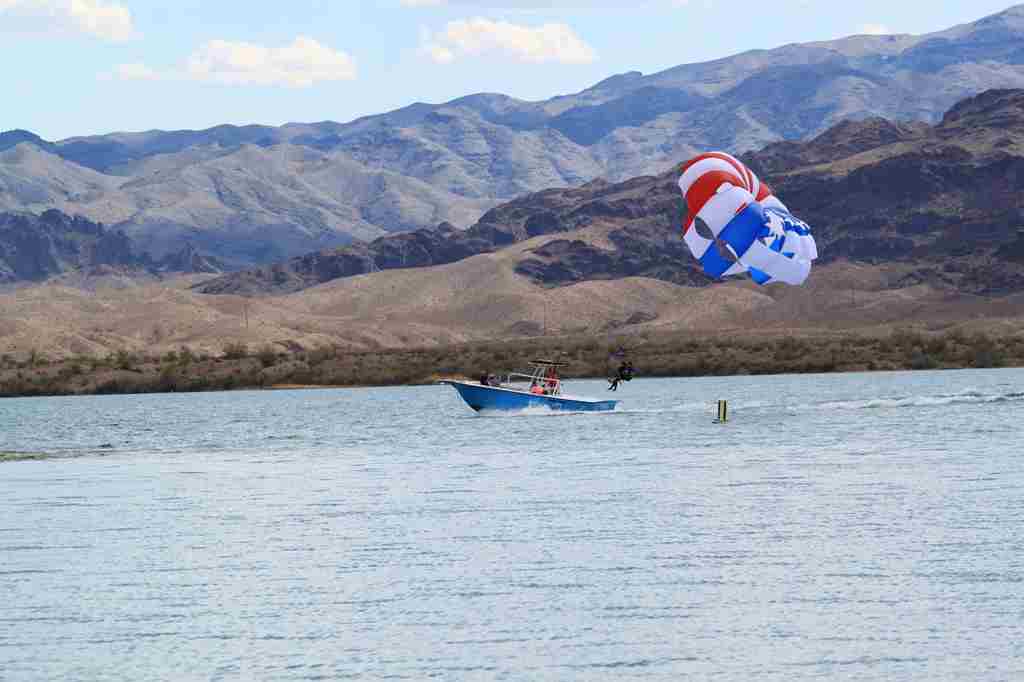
669, 355
15, 456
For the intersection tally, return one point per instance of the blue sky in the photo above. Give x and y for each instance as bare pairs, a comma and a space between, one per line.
79, 67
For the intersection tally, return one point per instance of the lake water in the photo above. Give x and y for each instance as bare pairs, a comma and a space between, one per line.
855, 527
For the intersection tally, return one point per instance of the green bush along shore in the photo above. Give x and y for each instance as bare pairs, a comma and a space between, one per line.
239, 366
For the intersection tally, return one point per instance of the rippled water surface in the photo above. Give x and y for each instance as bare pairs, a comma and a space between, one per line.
866, 527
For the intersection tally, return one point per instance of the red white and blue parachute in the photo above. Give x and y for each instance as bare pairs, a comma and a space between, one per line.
756, 232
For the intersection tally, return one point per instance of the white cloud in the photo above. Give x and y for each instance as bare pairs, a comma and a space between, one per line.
105, 20
138, 72
874, 29
479, 36
300, 65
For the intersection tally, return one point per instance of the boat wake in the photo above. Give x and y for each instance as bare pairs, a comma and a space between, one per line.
542, 411
939, 400
968, 397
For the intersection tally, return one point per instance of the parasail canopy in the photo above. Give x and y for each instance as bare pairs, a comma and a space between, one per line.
746, 229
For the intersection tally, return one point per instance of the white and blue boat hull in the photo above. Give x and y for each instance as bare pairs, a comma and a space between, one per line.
498, 399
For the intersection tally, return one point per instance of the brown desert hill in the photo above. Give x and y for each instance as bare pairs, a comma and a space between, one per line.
943, 204
251, 195
473, 300
477, 298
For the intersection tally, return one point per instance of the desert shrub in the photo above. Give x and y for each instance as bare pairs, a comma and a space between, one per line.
252, 377
935, 345
267, 356
921, 360
321, 354
906, 338
789, 348
957, 336
110, 387
987, 357
167, 381
885, 346
198, 384
985, 352
186, 356
299, 374
124, 360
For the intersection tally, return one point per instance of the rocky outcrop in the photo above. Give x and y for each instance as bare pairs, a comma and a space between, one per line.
846, 139
36, 247
190, 259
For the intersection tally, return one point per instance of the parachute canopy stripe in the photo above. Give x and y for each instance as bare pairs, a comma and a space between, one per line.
740, 232
759, 277
713, 262
709, 164
703, 174
707, 253
701, 191
721, 208
746, 221
780, 267
712, 161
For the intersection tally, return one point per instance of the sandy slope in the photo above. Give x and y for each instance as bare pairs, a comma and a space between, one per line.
480, 297
477, 298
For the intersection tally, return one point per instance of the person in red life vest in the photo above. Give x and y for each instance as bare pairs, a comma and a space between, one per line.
551, 384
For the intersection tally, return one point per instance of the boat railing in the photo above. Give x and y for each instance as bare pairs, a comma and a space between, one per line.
551, 386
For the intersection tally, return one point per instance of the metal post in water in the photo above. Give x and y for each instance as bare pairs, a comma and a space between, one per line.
723, 412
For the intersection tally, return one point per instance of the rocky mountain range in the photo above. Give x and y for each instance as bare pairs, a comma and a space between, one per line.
945, 201
258, 194
37, 247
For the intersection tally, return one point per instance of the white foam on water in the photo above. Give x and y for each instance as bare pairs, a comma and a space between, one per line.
542, 411
966, 397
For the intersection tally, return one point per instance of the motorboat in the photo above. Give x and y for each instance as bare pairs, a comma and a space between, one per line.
541, 387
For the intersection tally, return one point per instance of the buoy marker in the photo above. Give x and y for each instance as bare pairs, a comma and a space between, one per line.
723, 412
